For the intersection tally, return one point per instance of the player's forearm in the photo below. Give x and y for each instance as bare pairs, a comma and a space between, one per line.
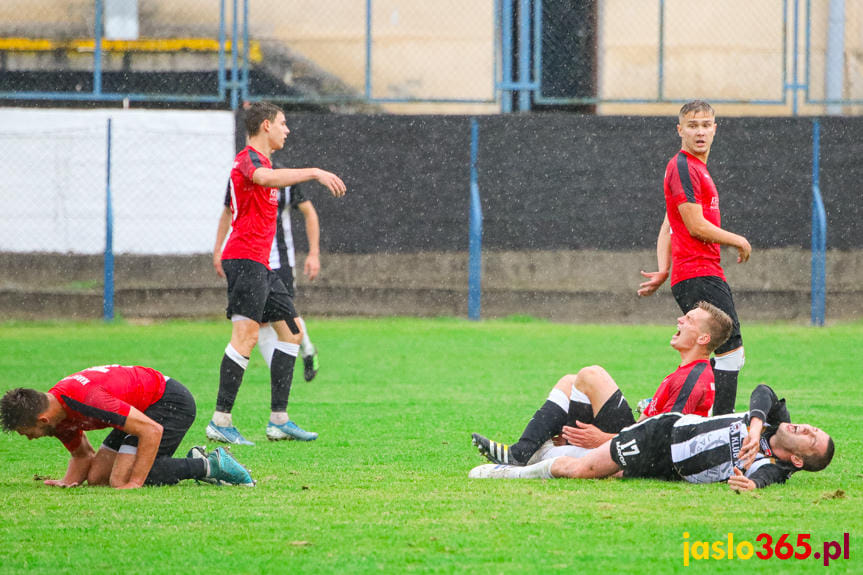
77, 470
222, 230
663, 248
148, 447
707, 232
284, 177
313, 233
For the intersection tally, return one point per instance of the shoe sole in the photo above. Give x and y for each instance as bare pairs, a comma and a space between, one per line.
287, 437
214, 435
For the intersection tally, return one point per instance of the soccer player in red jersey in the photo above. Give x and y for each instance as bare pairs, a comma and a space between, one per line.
587, 409
150, 414
689, 240
256, 294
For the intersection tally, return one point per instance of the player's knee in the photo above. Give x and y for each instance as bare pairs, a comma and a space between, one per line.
96, 477
566, 383
588, 377
732, 361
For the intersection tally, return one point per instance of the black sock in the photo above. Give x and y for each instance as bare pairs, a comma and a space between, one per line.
726, 391
281, 376
230, 379
545, 424
168, 471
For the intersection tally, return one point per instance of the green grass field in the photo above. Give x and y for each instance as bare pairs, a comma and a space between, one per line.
385, 488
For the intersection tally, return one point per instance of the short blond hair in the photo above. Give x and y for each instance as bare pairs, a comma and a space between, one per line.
695, 106
719, 325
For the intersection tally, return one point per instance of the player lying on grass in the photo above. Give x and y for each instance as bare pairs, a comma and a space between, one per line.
748, 450
150, 414
587, 409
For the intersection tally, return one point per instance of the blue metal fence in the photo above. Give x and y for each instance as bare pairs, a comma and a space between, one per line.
517, 62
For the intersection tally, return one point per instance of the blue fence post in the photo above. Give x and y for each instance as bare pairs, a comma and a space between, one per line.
368, 86
474, 291
524, 29
506, 60
819, 234
108, 294
97, 49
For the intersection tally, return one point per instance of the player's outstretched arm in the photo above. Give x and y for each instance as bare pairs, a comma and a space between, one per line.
663, 262
284, 177
79, 466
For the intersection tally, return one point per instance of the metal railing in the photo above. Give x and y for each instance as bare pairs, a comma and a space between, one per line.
777, 61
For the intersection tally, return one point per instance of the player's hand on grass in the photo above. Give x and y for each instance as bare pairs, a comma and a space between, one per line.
752, 443
739, 482
332, 182
59, 483
654, 280
312, 266
584, 435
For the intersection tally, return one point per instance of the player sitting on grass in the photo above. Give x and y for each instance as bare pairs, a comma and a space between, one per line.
150, 414
749, 450
588, 408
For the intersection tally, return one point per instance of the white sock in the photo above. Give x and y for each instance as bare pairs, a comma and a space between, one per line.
222, 419
279, 417
287, 347
306, 347
267, 343
541, 470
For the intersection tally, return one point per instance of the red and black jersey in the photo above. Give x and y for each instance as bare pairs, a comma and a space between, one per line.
101, 397
687, 180
254, 209
690, 389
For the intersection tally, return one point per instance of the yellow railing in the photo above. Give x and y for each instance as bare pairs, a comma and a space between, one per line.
147, 45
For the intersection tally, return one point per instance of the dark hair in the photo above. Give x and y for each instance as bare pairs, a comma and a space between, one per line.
719, 325
695, 106
20, 407
255, 115
821, 460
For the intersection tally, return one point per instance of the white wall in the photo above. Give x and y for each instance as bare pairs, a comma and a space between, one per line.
168, 177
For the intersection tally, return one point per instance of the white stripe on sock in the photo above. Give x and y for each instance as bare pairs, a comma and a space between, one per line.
288, 348
236, 356
559, 398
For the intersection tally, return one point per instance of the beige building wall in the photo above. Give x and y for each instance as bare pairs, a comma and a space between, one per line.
719, 49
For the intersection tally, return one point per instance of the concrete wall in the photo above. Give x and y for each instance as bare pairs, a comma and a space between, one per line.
583, 286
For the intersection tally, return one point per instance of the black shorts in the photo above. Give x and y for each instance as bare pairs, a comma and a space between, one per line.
175, 412
644, 449
713, 290
614, 415
286, 274
258, 293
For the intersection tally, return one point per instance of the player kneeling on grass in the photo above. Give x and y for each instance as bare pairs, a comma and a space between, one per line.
150, 414
748, 450
585, 410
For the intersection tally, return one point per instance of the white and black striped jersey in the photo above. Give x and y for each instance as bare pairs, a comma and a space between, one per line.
282, 252
705, 449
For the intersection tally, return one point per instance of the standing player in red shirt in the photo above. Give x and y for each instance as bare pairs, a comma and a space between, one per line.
256, 294
150, 415
588, 409
689, 241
